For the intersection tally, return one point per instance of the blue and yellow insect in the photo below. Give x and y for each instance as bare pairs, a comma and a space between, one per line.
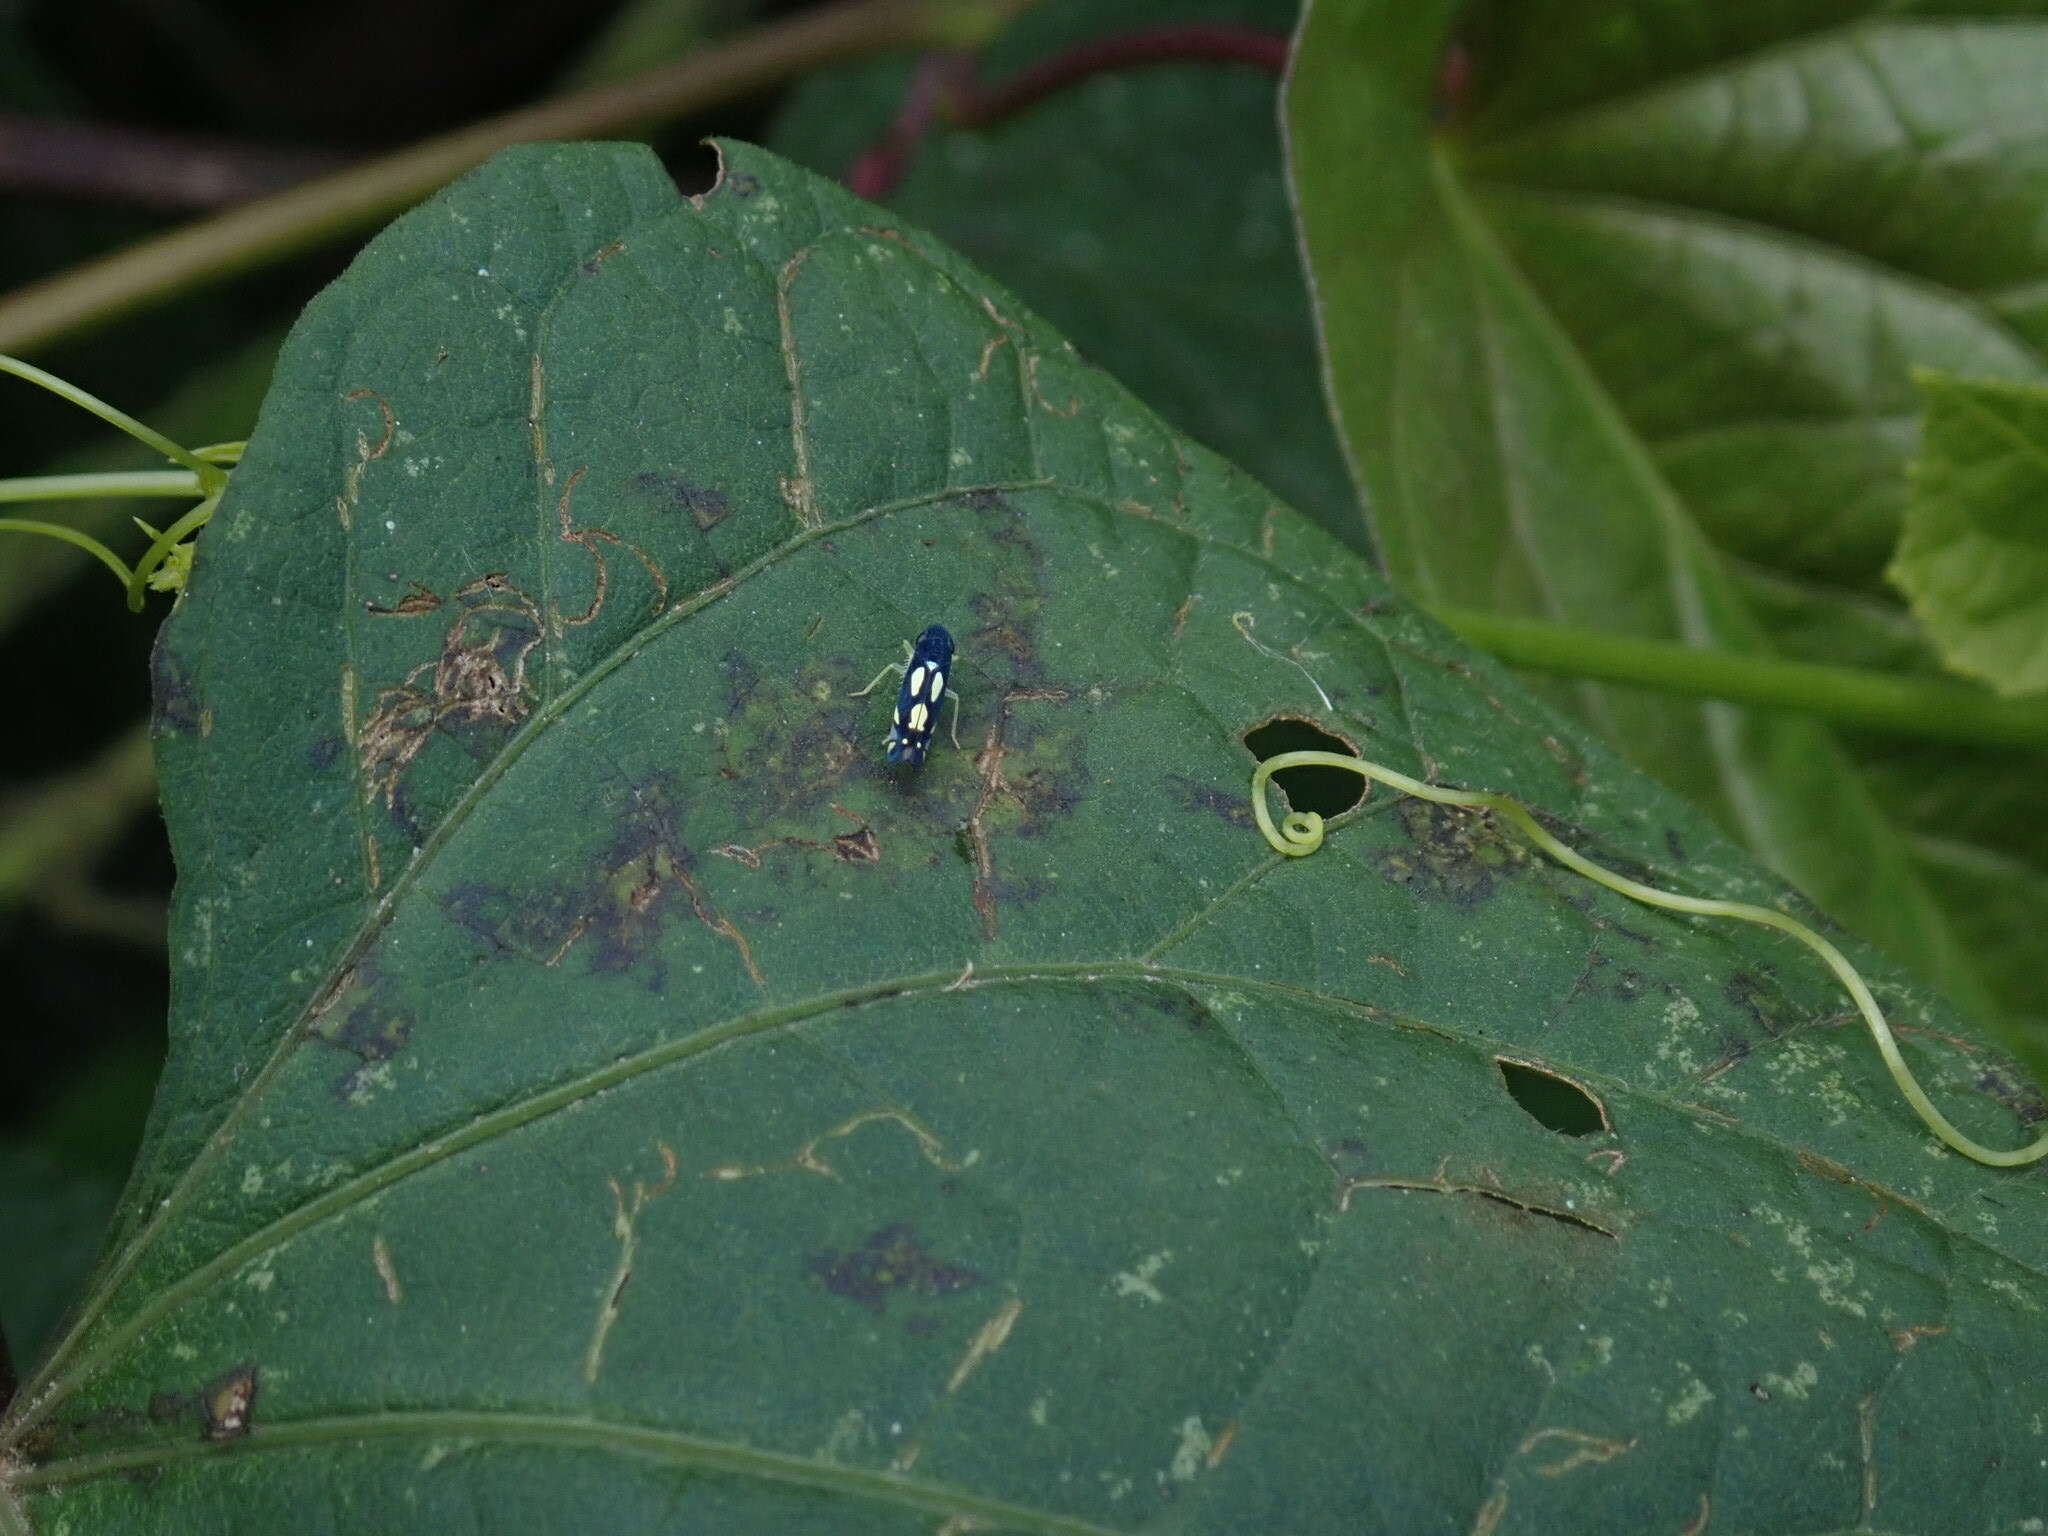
926, 673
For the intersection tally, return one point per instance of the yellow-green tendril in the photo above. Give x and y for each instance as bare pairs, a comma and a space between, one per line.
168, 561
167, 556
1301, 833
84, 541
211, 478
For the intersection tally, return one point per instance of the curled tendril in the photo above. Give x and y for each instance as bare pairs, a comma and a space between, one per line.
1301, 833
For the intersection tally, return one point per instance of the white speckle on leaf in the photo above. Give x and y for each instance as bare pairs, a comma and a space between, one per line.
1138, 1282
1799, 1384
368, 1081
1692, 1397
437, 1453
1195, 1445
849, 1435
2010, 1289
1830, 1280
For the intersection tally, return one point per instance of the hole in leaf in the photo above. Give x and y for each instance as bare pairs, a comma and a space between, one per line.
1326, 791
1553, 1102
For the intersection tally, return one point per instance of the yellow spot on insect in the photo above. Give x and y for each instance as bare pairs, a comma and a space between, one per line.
938, 687
917, 679
918, 715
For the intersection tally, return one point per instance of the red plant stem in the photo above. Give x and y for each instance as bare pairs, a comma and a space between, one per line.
880, 168
943, 85
1195, 43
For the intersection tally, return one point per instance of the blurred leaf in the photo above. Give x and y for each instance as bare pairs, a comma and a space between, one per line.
1144, 212
1999, 898
1972, 816
1530, 339
1752, 222
1973, 819
53, 1213
1817, 621
1974, 554
58, 1182
604, 1098
93, 1122
644, 33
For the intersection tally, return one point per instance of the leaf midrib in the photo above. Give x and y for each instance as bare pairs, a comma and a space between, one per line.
511, 1117
560, 1431
33, 1403
39, 1390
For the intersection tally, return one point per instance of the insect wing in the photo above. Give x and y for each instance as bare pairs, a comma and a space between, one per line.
917, 702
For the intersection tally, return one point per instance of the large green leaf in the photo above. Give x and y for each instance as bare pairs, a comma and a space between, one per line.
604, 1098
1143, 210
1644, 292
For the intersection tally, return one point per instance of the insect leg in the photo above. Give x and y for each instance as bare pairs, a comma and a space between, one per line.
863, 693
898, 667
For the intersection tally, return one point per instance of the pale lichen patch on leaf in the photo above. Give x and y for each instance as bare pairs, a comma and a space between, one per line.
850, 1436
1138, 1280
1191, 1456
1799, 1385
1693, 1396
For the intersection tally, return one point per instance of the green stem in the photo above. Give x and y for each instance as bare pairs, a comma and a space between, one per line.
303, 217
1300, 833
137, 482
84, 541
210, 475
1884, 701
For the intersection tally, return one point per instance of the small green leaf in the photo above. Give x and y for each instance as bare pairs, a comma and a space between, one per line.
1974, 553
603, 1098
